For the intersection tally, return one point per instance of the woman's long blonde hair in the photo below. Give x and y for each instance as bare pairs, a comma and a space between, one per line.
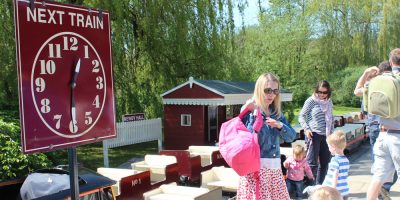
259, 94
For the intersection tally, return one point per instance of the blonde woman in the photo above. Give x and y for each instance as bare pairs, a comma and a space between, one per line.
268, 183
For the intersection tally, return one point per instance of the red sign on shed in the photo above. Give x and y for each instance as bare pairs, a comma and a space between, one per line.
65, 75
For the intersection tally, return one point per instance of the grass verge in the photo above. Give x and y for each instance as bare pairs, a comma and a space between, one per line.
337, 110
91, 155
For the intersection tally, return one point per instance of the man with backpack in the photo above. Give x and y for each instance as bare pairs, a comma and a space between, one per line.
387, 147
373, 124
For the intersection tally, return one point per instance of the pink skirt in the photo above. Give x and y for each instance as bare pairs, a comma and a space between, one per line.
271, 186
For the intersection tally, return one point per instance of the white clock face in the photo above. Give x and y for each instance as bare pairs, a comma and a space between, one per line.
68, 84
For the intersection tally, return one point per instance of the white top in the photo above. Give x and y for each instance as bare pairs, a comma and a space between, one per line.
270, 163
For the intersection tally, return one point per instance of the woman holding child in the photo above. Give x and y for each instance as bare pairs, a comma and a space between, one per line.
316, 118
268, 183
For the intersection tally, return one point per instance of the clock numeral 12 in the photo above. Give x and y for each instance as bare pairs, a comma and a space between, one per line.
73, 46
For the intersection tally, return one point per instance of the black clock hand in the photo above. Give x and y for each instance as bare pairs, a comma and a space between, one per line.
73, 85
75, 76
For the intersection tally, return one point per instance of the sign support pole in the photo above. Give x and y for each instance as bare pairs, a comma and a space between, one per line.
73, 173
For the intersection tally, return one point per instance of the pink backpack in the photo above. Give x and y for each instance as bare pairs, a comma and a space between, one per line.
238, 146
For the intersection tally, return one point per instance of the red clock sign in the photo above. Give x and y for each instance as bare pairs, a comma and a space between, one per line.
65, 75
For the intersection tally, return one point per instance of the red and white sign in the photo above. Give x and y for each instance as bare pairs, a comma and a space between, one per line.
65, 75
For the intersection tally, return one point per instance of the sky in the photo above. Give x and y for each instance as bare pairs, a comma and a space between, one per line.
250, 14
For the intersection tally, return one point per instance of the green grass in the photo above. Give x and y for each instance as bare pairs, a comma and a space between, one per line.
91, 155
337, 110
340, 110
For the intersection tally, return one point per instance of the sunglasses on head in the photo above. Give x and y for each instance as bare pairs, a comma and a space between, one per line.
270, 91
322, 92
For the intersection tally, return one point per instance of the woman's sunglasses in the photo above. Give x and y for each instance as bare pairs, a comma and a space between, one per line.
270, 91
322, 92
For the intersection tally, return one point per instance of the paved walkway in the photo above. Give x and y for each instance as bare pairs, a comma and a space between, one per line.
360, 175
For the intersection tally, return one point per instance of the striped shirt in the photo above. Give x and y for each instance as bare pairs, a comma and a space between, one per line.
340, 164
312, 117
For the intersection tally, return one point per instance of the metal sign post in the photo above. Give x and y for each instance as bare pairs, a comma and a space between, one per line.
73, 173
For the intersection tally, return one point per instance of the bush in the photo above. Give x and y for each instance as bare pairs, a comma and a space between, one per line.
343, 84
13, 163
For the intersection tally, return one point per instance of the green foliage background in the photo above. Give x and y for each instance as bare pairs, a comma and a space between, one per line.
13, 163
158, 44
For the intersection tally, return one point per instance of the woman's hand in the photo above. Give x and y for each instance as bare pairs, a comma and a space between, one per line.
250, 105
273, 123
308, 134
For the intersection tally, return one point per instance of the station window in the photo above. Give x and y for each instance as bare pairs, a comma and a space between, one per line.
186, 120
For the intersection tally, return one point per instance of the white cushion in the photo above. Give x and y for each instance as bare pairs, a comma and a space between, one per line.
202, 149
159, 160
182, 190
226, 174
225, 185
115, 173
164, 196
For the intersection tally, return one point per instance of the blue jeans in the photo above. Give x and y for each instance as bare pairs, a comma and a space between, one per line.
296, 186
318, 150
373, 134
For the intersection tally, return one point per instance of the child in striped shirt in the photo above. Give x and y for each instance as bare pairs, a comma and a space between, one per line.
338, 169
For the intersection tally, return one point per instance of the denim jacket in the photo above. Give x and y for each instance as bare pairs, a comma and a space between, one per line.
269, 138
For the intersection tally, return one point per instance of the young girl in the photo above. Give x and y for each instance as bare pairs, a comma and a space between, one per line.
268, 183
297, 167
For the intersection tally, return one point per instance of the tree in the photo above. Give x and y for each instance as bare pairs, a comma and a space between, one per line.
8, 71
159, 44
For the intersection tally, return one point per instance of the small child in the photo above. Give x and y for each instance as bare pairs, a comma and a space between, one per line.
326, 193
338, 169
297, 166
